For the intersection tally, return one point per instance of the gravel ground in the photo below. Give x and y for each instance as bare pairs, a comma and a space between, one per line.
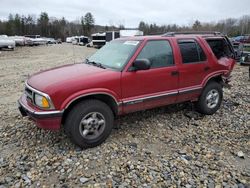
165, 147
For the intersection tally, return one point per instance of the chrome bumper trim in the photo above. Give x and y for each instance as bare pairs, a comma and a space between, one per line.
36, 114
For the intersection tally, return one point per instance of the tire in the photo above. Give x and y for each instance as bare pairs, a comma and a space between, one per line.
89, 123
210, 99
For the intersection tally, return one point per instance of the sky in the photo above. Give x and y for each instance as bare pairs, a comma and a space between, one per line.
131, 12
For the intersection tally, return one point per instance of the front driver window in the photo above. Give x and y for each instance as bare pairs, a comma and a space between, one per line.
158, 52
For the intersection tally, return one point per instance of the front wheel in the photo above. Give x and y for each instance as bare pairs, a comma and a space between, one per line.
89, 123
210, 100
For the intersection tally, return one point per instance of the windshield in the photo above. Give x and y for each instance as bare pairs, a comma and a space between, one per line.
114, 54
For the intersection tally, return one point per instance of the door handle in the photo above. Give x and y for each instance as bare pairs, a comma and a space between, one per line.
175, 73
206, 68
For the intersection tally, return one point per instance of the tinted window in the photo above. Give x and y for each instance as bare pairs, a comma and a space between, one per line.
219, 47
191, 51
158, 52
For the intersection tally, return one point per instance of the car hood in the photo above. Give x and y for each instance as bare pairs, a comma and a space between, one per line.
64, 76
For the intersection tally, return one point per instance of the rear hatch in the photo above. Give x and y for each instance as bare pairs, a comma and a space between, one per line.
224, 52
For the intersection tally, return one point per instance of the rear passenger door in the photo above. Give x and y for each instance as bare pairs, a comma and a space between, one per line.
193, 68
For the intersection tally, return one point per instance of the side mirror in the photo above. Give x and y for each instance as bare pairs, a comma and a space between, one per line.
140, 64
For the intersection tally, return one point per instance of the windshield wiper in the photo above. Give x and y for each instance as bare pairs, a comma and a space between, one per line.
95, 64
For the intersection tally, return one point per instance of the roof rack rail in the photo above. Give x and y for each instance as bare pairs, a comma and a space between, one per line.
192, 33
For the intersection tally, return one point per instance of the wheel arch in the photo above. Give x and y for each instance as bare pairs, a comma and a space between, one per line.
213, 78
217, 79
104, 97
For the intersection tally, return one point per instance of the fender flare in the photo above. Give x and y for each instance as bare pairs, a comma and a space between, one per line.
211, 76
85, 93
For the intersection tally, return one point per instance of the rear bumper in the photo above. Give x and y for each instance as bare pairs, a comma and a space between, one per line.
50, 120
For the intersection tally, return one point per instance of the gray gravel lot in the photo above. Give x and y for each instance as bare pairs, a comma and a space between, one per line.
165, 147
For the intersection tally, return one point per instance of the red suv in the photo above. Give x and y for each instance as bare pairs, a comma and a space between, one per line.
128, 75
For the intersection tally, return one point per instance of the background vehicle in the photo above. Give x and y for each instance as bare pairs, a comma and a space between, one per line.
237, 39
50, 40
128, 75
69, 39
19, 40
130, 33
28, 41
245, 39
100, 39
59, 41
6, 42
37, 40
80, 40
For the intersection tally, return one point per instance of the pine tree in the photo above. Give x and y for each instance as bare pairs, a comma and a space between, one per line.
89, 23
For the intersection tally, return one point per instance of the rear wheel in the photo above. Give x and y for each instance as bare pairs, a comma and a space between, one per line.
210, 100
89, 123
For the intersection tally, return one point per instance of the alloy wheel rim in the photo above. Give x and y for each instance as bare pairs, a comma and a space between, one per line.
92, 125
212, 98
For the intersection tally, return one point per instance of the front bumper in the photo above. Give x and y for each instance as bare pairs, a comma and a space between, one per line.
44, 119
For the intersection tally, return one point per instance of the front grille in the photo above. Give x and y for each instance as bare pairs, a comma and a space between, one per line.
29, 94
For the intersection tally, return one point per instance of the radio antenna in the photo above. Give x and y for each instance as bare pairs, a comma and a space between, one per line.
73, 52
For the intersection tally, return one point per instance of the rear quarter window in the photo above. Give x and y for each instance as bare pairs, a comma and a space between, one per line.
191, 51
219, 47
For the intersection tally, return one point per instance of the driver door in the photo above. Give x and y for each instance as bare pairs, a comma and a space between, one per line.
157, 86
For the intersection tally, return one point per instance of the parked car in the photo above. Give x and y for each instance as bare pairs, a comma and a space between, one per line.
83, 40
59, 41
28, 41
37, 40
19, 40
50, 40
75, 40
90, 44
69, 39
98, 39
237, 39
6, 42
245, 39
128, 75
245, 58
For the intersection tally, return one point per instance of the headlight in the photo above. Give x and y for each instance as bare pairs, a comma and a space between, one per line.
41, 101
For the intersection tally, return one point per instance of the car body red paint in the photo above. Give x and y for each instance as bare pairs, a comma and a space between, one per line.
130, 90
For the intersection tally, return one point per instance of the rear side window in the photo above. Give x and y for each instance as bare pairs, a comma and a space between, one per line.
219, 47
158, 52
191, 51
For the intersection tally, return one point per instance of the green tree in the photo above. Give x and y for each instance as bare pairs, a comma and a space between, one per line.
17, 25
106, 28
197, 25
89, 23
145, 27
121, 26
83, 26
10, 25
63, 24
30, 26
43, 23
